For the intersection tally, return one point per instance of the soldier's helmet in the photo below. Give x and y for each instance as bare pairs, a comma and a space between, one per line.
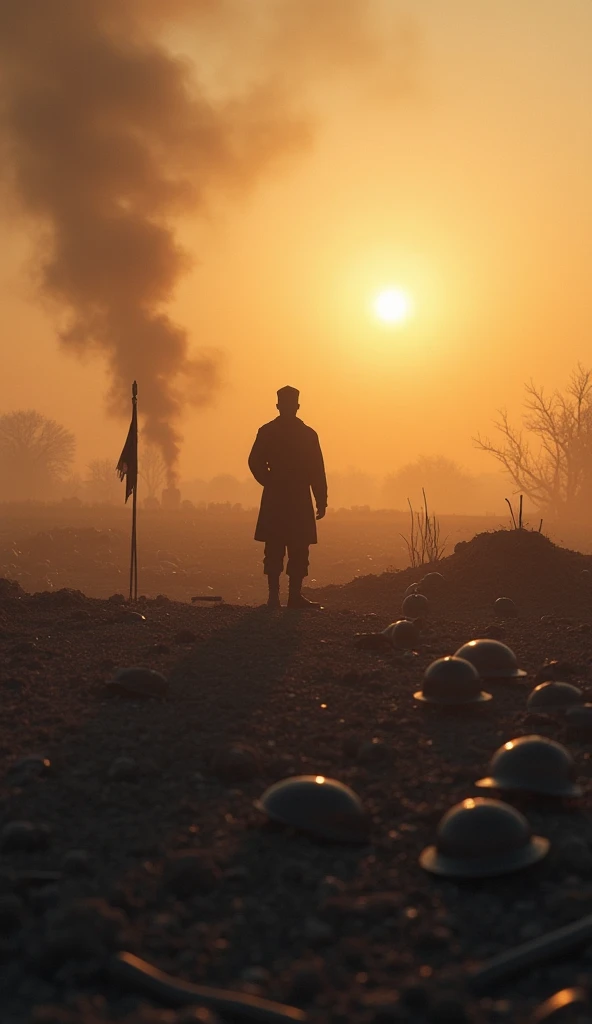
481, 838
316, 804
451, 681
403, 634
491, 658
415, 606
532, 764
554, 696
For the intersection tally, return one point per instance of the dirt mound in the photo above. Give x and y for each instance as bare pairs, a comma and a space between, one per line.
539, 576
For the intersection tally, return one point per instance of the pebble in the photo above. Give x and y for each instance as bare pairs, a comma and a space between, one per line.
123, 769
25, 836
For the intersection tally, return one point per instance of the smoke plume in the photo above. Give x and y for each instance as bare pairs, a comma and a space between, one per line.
108, 138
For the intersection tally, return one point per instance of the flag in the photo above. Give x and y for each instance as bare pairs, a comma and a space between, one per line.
128, 461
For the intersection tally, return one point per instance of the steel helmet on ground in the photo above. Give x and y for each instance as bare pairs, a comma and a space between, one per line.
481, 838
554, 696
316, 804
532, 764
491, 658
451, 681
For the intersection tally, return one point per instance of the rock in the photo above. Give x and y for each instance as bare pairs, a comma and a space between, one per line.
190, 871
77, 862
185, 636
555, 671
139, 682
24, 836
123, 769
236, 763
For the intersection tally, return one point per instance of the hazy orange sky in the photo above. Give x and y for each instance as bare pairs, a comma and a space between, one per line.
469, 187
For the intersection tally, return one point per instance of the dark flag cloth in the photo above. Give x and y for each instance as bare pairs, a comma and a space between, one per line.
128, 462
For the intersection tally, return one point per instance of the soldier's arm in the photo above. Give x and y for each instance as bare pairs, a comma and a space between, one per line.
318, 480
258, 460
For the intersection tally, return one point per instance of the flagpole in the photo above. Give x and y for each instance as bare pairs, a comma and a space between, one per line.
133, 587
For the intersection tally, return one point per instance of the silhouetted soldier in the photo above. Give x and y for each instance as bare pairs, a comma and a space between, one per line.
286, 460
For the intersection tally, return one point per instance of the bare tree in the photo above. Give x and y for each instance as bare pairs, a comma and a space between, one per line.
152, 469
102, 485
557, 476
35, 452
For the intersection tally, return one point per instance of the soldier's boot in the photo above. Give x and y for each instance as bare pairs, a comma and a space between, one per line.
295, 598
273, 601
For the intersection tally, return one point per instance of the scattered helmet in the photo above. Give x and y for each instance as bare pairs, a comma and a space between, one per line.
555, 671
139, 682
411, 589
432, 583
532, 764
481, 838
491, 658
505, 608
579, 719
316, 804
585, 574
554, 696
403, 634
415, 606
575, 1001
451, 681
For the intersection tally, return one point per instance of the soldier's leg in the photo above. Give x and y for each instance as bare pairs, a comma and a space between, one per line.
297, 570
273, 566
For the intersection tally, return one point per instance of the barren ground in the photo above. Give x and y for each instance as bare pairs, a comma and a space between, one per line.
350, 933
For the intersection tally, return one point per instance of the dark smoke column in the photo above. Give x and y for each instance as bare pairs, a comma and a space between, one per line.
106, 141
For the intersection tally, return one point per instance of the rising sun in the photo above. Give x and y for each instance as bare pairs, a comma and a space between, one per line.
393, 306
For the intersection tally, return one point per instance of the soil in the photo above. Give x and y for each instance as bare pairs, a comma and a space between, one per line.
142, 832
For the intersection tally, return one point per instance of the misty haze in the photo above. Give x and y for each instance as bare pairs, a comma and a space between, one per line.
295, 511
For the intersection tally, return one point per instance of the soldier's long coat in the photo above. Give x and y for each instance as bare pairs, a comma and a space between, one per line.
286, 459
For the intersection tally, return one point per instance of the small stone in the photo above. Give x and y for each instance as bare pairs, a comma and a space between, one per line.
25, 836
185, 636
236, 763
317, 932
123, 769
190, 871
77, 862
